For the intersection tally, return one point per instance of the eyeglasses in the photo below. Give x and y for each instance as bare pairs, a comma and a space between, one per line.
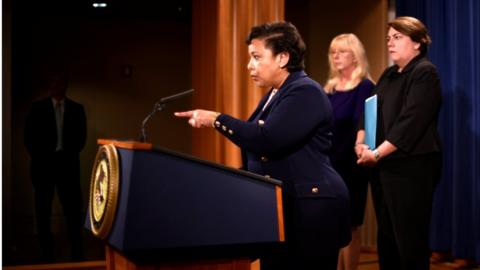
341, 52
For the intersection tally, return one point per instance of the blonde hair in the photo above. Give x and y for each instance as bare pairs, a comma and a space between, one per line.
352, 43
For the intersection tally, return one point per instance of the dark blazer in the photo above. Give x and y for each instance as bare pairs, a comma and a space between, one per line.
403, 183
409, 104
41, 135
289, 141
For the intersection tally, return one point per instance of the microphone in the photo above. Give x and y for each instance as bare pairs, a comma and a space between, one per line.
176, 96
158, 106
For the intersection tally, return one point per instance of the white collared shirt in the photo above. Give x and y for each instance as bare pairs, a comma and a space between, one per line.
274, 91
59, 121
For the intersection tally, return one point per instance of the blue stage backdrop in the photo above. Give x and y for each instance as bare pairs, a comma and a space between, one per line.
454, 26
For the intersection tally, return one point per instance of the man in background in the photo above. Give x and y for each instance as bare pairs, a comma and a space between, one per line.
55, 133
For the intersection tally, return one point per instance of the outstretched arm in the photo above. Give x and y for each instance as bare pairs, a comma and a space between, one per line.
199, 118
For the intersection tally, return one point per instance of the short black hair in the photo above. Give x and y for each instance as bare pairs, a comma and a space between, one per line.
281, 37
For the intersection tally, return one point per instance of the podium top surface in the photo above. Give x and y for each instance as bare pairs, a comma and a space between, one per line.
127, 144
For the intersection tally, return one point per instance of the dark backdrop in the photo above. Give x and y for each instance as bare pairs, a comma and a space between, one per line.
455, 30
152, 39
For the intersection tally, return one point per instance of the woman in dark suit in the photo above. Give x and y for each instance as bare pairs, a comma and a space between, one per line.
287, 137
407, 156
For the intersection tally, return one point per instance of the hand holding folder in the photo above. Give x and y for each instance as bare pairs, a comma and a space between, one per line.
371, 121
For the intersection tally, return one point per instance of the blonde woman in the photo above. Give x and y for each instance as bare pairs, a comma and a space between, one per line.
348, 86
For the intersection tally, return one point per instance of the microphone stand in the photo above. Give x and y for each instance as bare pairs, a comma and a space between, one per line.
158, 107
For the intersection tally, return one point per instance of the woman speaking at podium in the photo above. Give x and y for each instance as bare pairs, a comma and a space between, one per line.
287, 137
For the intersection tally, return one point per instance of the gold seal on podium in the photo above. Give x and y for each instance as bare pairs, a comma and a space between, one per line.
104, 186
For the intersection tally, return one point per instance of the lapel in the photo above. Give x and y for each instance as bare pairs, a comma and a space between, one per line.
67, 112
65, 107
280, 93
260, 106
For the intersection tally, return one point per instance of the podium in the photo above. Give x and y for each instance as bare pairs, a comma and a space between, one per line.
158, 209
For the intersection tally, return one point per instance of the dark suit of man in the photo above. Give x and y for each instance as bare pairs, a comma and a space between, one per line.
288, 140
56, 168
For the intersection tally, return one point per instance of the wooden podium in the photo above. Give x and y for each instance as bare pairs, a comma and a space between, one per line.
157, 209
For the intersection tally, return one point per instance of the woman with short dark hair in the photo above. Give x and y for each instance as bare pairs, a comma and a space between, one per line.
407, 155
287, 137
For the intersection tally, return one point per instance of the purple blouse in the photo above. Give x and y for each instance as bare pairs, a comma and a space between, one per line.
348, 107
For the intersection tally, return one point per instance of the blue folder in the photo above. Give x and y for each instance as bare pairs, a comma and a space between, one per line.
371, 121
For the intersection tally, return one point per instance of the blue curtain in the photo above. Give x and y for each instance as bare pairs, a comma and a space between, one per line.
454, 26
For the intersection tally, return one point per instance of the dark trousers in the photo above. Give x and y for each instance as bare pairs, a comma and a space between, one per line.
402, 191
58, 173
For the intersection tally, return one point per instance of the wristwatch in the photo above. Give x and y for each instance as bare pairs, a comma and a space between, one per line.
376, 154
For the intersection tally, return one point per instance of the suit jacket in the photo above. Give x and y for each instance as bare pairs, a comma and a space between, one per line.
408, 108
41, 136
289, 141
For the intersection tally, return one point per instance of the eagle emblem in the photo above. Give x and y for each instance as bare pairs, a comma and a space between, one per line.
104, 186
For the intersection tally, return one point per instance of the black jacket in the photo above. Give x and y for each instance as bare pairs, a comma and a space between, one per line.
408, 108
41, 137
